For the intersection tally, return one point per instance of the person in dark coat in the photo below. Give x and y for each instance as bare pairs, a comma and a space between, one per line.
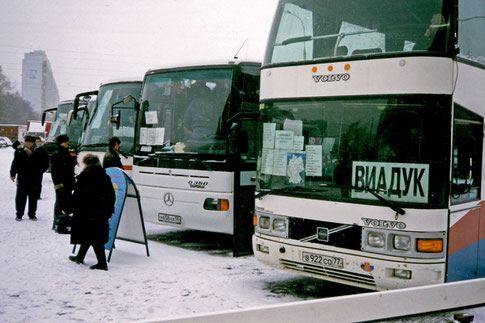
92, 205
28, 166
112, 156
62, 172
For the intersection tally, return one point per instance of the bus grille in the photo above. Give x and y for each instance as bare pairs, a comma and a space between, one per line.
329, 272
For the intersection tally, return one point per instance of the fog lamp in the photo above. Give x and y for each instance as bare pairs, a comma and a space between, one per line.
263, 249
376, 239
402, 273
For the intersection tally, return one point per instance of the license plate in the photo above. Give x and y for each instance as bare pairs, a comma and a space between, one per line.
169, 218
313, 258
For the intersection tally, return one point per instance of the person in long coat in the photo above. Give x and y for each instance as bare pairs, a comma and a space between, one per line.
92, 206
112, 156
28, 166
62, 172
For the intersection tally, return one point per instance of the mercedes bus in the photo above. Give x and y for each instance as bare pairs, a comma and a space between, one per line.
195, 147
370, 158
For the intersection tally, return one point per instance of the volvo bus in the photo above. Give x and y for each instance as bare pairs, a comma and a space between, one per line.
107, 121
195, 150
370, 162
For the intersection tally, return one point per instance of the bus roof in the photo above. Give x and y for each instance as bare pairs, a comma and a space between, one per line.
123, 80
189, 64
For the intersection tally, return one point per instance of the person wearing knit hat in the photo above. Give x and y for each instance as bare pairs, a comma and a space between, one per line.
62, 172
28, 166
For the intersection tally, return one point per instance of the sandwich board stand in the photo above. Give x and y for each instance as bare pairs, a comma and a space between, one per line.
126, 222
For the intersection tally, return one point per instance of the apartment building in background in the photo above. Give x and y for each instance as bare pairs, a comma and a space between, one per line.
38, 83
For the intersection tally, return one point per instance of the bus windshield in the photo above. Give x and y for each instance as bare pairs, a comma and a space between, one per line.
100, 128
310, 30
183, 111
59, 126
342, 149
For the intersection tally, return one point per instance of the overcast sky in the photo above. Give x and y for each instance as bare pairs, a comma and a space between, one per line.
93, 41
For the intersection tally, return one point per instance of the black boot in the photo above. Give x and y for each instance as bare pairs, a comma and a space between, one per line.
99, 267
75, 259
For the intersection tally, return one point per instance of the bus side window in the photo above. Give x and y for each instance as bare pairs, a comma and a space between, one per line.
467, 156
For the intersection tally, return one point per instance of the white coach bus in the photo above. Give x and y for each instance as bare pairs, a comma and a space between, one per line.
370, 163
195, 150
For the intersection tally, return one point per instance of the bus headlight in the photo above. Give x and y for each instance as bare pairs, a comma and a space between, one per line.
264, 222
376, 239
279, 225
402, 242
270, 224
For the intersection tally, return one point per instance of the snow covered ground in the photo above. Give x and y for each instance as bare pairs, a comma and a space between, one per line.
39, 284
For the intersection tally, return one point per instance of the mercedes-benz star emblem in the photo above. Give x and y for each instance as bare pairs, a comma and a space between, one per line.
168, 199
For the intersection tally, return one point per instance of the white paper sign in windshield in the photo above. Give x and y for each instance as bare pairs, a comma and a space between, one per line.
284, 139
267, 161
394, 181
152, 136
280, 162
293, 125
298, 143
269, 130
313, 160
151, 117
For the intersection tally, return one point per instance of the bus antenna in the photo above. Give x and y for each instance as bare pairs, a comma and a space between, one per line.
235, 55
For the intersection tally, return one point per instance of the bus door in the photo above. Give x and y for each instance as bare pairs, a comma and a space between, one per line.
466, 238
242, 149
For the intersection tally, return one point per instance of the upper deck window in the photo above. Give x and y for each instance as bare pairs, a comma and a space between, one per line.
308, 30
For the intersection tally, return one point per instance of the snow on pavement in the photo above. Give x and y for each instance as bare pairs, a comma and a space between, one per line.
39, 284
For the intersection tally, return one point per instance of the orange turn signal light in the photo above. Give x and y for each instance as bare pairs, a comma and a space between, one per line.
429, 245
255, 220
224, 205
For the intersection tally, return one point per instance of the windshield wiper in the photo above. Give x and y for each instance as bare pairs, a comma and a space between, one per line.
393, 206
184, 156
101, 144
296, 189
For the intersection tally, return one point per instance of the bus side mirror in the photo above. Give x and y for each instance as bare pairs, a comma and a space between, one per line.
127, 99
115, 119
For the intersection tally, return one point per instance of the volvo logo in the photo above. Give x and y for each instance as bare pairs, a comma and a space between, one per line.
168, 199
331, 77
385, 224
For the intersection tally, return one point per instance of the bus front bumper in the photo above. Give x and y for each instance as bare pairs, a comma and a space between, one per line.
348, 267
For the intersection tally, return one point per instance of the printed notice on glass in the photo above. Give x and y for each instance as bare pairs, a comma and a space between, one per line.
151, 117
152, 136
156, 136
284, 139
313, 160
298, 143
280, 162
269, 130
143, 135
293, 125
267, 161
